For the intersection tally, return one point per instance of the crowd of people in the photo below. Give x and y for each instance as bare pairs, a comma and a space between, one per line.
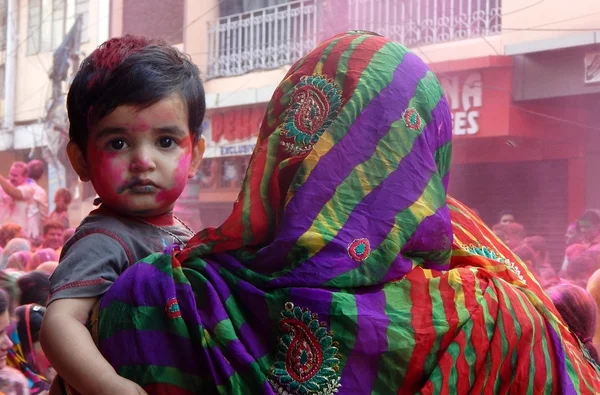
300, 290
31, 240
573, 283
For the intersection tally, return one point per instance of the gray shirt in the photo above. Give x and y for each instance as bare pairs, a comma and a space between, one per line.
103, 246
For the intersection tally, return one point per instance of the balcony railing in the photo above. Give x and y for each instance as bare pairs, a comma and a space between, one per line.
263, 39
422, 22
275, 36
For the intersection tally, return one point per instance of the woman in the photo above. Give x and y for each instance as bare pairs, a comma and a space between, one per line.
343, 267
27, 355
19, 261
13, 246
578, 308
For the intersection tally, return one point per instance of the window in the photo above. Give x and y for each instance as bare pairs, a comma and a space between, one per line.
49, 21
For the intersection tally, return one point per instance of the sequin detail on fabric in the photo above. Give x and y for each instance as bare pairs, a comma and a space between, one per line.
359, 249
490, 254
172, 309
316, 102
412, 119
307, 357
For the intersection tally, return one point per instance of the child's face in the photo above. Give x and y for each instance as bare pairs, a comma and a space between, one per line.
140, 159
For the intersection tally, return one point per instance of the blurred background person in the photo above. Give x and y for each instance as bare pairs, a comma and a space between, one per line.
38, 208
60, 214
579, 310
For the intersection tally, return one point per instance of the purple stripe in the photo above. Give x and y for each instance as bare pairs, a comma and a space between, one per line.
376, 214
565, 383
134, 347
258, 330
362, 366
355, 147
316, 300
146, 285
131, 286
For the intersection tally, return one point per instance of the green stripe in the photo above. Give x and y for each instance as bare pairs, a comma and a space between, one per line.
532, 367
442, 158
464, 317
249, 382
366, 89
247, 195
501, 332
343, 313
342, 67
146, 317
516, 323
490, 324
440, 325
377, 265
327, 51
400, 339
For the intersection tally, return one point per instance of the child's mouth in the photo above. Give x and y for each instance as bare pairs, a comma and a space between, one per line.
138, 186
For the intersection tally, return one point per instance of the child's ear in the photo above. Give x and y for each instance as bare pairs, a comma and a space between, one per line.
77, 160
197, 154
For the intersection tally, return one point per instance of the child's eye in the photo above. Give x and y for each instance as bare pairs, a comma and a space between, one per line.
117, 144
166, 142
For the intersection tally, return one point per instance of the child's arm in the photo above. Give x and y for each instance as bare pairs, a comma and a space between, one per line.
71, 350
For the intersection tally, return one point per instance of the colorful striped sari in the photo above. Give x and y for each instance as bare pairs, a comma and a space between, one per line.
344, 267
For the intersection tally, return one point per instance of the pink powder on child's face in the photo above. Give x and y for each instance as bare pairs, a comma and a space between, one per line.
180, 177
107, 170
142, 168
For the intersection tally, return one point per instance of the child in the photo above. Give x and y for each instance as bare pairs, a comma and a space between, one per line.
62, 199
135, 109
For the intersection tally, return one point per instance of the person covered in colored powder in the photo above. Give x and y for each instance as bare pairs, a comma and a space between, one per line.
344, 267
135, 109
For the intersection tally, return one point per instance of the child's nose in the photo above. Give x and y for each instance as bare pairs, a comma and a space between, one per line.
142, 162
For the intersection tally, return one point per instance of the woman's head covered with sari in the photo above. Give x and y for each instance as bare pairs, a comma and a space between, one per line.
343, 267
13, 246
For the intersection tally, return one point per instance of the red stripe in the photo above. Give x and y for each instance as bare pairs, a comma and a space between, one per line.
423, 329
331, 63
479, 336
165, 389
358, 63
448, 302
522, 346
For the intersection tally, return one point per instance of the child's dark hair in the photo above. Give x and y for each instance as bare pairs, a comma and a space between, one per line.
132, 70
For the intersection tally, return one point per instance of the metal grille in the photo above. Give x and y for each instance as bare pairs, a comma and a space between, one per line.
263, 39
420, 22
279, 35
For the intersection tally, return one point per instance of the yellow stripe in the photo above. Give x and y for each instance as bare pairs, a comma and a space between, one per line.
384, 159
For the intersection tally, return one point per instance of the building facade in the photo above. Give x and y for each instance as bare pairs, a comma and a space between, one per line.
520, 81
31, 31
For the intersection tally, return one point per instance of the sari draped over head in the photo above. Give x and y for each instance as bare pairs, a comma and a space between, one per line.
21, 355
344, 267
12, 247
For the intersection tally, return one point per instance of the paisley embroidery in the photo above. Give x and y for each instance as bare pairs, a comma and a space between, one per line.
359, 249
412, 119
486, 252
172, 309
307, 357
316, 101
